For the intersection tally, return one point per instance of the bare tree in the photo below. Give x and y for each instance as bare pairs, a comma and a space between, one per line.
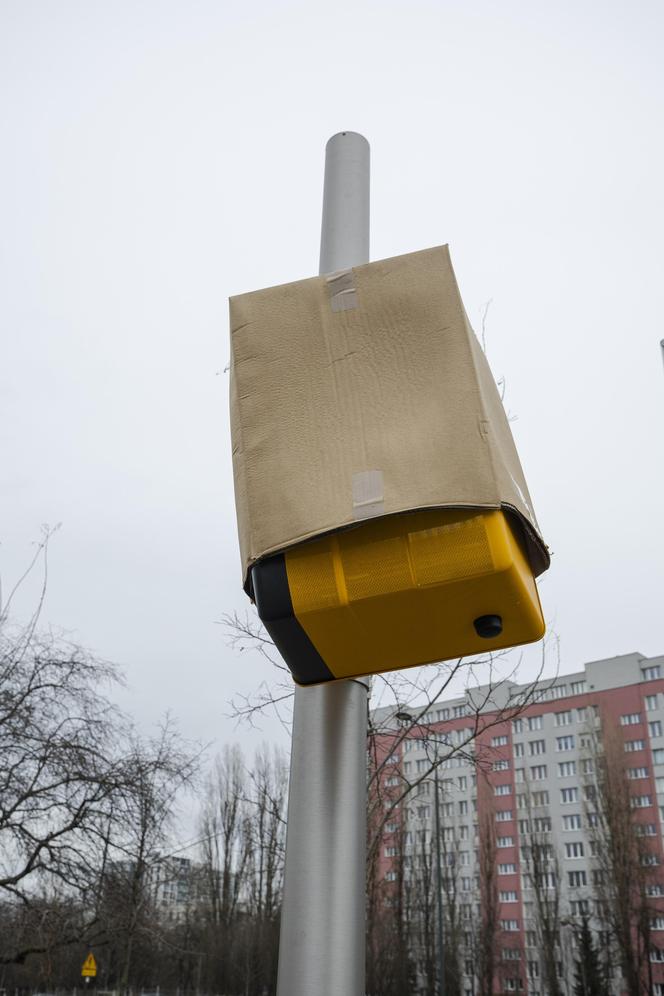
543, 879
242, 829
486, 929
71, 763
223, 829
626, 866
390, 965
157, 771
267, 831
414, 693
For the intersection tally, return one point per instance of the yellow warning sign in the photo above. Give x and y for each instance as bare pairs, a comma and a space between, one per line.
89, 966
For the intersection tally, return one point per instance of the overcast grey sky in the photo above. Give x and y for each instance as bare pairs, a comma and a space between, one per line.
159, 156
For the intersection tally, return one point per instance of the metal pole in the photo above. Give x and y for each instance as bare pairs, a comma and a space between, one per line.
439, 893
322, 941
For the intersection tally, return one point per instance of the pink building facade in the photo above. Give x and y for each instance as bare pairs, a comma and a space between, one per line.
519, 771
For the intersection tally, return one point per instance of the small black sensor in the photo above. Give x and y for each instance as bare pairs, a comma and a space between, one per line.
488, 626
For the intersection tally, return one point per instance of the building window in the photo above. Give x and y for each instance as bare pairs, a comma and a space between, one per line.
658, 755
579, 907
566, 769
537, 747
649, 860
507, 869
651, 703
564, 718
511, 954
390, 782
568, 795
578, 687
634, 773
651, 673
630, 719
640, 801
577, 879
508, 897
463, 807
391, 852
519, 750
655, 728
499, 741
587, 766
501, 765
565, 743
509, 925
502, 790
541, 798
504, 842
520, 774
517, 726
574, 849
572, 822
538, 772
504, 815
655, 890
534, 723
646, 829
581, 714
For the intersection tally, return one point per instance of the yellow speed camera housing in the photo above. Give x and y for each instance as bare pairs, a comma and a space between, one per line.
399, 591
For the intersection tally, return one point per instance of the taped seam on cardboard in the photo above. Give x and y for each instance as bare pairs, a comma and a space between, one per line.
341, 287
368, 494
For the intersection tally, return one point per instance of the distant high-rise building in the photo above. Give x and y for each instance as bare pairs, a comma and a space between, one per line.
550, 803
173, 886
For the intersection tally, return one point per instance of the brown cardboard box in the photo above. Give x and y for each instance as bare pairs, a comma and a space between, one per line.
365, 393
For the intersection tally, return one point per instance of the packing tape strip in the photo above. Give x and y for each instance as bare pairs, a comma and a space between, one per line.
368, 494
341, 287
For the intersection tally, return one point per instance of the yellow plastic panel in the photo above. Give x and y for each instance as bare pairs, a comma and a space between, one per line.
405, 590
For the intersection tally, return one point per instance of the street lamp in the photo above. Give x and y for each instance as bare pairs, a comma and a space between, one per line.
405, 718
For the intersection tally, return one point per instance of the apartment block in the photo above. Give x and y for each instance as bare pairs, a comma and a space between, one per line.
534, 784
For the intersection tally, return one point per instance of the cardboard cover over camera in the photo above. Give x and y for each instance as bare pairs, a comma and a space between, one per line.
365, 394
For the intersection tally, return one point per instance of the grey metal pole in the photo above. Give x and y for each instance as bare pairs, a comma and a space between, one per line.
322, 941
344, 238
